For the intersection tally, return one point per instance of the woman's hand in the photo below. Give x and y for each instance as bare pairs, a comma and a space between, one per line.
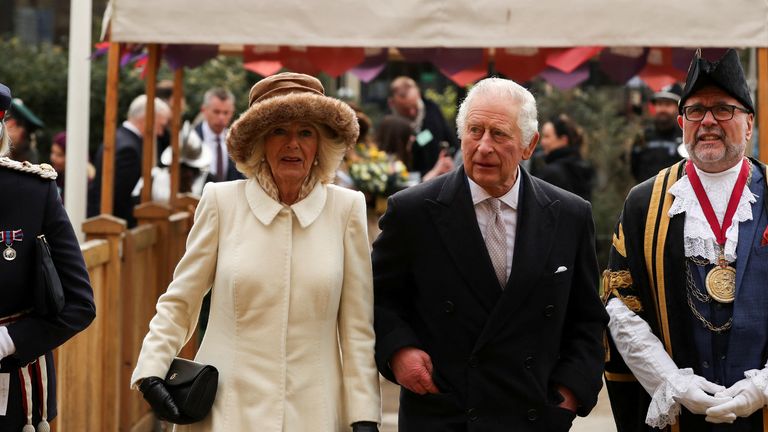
158, 397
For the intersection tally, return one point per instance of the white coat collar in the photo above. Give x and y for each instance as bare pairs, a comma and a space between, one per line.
265, 208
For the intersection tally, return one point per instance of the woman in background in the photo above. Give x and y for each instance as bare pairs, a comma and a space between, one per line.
562, 141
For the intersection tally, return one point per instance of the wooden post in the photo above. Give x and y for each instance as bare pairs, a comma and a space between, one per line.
762, 103
159, 214
178, 93
149, 150
110, 128
111, 229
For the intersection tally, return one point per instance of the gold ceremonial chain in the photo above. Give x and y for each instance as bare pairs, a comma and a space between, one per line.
692, 291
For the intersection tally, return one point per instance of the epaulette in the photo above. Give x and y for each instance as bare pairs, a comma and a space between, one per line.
43, 170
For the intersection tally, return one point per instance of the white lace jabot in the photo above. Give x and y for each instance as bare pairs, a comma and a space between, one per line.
699, 240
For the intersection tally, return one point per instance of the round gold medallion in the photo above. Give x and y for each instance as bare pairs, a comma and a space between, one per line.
721, 284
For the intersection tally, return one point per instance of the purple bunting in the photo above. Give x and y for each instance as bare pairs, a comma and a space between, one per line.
681, 57
417, 55
371, 67
621, 68
455, 60
189, 56
564, 81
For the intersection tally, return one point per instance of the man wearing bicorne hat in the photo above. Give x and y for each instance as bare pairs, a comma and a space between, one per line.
686, 285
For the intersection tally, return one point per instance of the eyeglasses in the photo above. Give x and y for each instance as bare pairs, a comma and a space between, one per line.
719, 112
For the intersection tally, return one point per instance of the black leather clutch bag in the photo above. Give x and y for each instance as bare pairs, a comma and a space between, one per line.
48, 293
193, 387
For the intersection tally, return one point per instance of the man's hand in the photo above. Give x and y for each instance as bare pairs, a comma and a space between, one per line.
569, 399
413, 370
698, 397
747, 398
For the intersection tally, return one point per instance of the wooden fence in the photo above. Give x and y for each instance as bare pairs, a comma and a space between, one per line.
129, 269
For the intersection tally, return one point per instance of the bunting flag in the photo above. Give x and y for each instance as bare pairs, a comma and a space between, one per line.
659, 71
189, 56
467, 76
334, 61
681, 57
565, 81
418, 55
567, 60
371, 67
295, 58
621, 64
263, 60
521, 65
101, 49
454, 60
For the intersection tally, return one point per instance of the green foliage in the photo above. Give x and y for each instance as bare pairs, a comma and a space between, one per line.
608, 135
447, 101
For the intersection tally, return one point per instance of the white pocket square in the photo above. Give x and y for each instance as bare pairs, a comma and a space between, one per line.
561, 269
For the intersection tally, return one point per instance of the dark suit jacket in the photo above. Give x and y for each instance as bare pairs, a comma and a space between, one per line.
232, 172
128, 151
425, 157
497, 355
32, 204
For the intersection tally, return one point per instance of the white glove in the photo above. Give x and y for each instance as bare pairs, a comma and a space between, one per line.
696, 395
6, 344
748, 396
655, 370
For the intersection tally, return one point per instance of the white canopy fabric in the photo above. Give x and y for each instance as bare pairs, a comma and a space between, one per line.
444, 23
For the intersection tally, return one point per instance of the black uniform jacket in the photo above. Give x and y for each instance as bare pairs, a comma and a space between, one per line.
31, 204
497, 354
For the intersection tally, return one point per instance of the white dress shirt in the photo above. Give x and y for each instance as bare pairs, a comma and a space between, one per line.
209, 139
484, 213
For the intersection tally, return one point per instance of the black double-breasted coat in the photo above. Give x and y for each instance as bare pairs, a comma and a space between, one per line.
497, 355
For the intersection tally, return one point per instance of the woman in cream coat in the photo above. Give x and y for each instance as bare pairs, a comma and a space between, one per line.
286, 256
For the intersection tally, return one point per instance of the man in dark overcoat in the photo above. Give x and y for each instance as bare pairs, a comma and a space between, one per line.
485, 279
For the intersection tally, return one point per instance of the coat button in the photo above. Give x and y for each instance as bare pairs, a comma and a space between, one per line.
528, 362
472, 414
705, 364
533, 415
549, 310
449, 307
474, 361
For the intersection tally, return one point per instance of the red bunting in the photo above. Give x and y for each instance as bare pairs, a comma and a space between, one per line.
569, 60
522, 65
264, 61
659, 71
335, 60
295, 59
470, 75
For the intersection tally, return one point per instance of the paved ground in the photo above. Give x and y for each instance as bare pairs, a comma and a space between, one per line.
599, 420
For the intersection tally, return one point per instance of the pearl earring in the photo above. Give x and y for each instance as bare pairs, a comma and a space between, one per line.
315, 163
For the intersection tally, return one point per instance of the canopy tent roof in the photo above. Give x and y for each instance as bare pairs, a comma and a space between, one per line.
443, 23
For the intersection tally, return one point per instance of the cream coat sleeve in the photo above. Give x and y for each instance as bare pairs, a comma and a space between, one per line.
179, 307
362, 398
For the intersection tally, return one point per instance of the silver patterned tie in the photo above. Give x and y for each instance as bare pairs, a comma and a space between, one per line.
496, 241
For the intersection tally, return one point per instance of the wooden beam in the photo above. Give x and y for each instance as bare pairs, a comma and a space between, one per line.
149, 149
110, 128
178, 94
762, 103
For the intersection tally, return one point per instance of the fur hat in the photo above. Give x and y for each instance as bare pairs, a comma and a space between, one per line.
725, 73
288, 97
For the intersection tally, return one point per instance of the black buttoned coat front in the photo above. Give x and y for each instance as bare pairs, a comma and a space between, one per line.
497, 354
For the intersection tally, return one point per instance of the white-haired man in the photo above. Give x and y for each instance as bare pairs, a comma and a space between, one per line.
128, 157
485, 280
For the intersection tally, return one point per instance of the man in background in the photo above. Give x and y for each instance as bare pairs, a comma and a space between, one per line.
658, 147
128, 157
217, 110
428, 124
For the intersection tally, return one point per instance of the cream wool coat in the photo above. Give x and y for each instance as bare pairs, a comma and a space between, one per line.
291, 321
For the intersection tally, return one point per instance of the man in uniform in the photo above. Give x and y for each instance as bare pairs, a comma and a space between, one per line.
485, 285
21, 124
31, 207
658, 147
686, 285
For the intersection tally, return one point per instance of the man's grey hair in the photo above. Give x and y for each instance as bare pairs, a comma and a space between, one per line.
218, 93
527, 116
138, 108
